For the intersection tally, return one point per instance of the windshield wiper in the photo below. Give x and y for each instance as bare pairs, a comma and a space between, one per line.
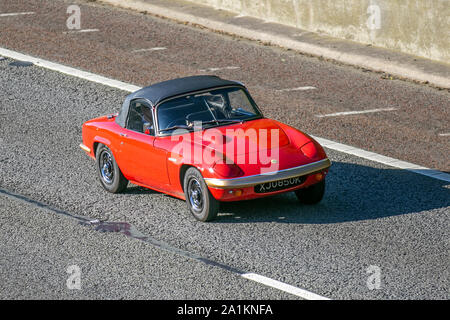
222, 121
192, 126
176, 127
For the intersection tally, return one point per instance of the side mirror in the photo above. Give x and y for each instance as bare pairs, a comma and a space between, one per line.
148, 128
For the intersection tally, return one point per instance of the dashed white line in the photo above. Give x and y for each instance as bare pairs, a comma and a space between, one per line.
218, 69
444, 134
346, 113
325, 142
149, 49
297, 89
11, 14
81, 31
283, 287
300, 34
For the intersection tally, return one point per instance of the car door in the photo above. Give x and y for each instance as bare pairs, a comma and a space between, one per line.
145, 163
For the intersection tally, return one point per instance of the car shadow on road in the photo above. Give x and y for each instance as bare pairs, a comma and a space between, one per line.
353, 193
134, 189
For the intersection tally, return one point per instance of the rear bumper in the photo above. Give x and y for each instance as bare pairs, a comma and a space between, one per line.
250, 181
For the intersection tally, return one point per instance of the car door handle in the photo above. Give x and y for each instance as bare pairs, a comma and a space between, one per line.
123, 135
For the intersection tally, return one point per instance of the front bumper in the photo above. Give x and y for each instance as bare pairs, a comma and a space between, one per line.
84, 148
249, 181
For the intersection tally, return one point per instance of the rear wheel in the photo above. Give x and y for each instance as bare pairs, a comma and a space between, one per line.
110, 175
312, 194
203, 206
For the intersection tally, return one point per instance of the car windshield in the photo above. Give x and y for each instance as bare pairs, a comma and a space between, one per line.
213, 108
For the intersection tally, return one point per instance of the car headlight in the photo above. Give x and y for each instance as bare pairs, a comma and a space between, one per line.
309, 150
227, 170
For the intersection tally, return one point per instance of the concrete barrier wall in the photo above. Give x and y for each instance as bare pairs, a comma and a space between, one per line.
419, 27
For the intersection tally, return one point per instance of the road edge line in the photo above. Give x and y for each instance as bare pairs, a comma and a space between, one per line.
69, 70
388, 161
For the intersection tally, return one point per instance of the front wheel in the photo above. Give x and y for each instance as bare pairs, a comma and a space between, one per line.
203, 206
312, 194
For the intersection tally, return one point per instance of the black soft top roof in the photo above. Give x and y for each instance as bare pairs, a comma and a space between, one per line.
163, 90
171, 88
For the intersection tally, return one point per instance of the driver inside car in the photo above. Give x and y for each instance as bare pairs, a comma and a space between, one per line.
147, 120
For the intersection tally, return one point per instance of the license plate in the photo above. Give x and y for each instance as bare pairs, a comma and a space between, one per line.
279, 185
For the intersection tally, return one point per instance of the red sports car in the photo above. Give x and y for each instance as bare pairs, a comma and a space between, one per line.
203, 139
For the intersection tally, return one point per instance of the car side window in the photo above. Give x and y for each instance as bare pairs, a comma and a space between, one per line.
140, 118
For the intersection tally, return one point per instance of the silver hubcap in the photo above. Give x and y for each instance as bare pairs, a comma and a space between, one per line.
107, 167
195, 195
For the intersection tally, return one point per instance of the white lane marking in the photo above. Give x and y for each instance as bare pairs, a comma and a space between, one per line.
444, 134
297, 89
283, 287
346, 113
300, 34
11, 14
218, 69
392, 162
81, 31
70, 71
149, 49
325, 142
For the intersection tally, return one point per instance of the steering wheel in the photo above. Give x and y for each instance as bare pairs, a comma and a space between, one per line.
176, 122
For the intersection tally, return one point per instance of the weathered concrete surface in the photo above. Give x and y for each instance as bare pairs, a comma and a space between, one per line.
411, 26
374, 58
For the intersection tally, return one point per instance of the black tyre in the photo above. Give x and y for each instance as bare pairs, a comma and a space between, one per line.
110, 175
203, 206
312, 194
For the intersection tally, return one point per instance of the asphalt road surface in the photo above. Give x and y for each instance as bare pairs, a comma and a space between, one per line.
372, 215
410, 121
